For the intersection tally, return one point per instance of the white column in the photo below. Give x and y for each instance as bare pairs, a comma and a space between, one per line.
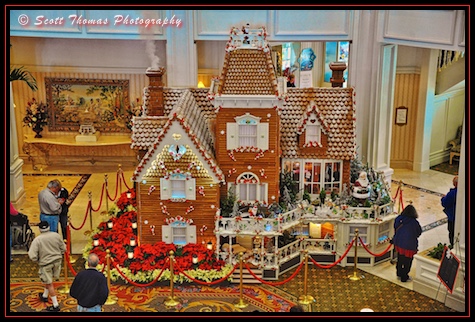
372, 68
425, 111
182, 60
17, 190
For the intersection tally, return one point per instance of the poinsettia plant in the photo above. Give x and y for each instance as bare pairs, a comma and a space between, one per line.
148, 259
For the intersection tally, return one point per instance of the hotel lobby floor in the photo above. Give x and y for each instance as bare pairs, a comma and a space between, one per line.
424, 189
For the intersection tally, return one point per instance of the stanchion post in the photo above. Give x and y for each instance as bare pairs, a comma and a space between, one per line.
89, 194
172, 300
119, 172
65, 288
240, 303
305, 299
355, 276
107, 192
69, 242
111, 299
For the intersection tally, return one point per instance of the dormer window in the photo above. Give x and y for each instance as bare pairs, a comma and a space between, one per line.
247, 132
313, 131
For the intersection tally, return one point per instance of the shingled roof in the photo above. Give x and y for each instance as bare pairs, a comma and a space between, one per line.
193, 121
336, 109
248, 67
145, 129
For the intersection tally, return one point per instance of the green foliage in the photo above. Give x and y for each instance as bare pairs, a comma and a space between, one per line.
287, 181
323, 195
306, 196
22, 74
227, 203
437, 251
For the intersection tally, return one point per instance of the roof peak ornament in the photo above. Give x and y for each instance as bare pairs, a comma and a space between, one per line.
247, 38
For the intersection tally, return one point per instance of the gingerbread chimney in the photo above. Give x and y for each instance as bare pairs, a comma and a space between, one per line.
155, 106
337, 78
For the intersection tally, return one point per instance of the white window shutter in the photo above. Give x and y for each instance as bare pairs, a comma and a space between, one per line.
263, 136
167, 234
232, 136
190, 189
165, 189
191, 234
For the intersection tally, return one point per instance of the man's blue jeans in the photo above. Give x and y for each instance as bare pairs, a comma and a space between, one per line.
96, 308
53, 221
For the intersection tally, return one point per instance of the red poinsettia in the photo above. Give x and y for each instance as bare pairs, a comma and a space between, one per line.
146, 257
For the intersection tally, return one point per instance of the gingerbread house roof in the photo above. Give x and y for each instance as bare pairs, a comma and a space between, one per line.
248, 67
335, 108
185, 118
145, 129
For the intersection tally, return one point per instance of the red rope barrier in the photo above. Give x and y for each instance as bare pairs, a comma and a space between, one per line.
337, 261
371, 253
275, 283
116, 188
85, 218
102, 198
165, 265
181, 271
125, 183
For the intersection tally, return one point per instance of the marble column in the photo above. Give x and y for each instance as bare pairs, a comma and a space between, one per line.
182, 60
17, 189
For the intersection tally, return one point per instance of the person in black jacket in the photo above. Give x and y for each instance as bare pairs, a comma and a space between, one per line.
63, 216
407, 231
89, 287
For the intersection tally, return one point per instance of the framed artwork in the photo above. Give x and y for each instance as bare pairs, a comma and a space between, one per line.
73, 101
401, 115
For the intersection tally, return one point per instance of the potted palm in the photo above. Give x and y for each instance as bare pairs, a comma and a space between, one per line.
22, 74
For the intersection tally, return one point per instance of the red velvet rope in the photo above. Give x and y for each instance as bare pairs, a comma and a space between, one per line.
274, 283
102, 198
125, 183
338, 260
117, 182
138, 284
377, 255
85, 218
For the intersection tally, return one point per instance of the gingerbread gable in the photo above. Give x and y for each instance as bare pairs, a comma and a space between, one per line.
187, 127
335, 107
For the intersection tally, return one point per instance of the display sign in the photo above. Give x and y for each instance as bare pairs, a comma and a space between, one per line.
448, 269
305, 79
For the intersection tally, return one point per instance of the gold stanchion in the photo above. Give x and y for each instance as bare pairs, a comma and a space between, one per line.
172, 300
107, 192
355, 276
240, 303
65, 288
72, 260
400, 196
305, 299
111, 299
119, 180
89, 194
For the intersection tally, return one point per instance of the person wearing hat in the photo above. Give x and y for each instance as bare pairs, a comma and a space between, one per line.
50, 205
47, 250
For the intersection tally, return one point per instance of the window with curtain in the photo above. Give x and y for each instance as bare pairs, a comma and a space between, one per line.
249, 188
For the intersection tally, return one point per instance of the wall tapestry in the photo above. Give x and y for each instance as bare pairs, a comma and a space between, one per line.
75, 101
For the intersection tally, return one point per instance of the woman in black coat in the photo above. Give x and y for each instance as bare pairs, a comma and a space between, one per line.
407, 231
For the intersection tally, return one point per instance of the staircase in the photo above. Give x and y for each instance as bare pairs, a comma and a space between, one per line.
247, 278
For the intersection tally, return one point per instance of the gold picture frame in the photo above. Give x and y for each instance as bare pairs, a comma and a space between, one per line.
72, 101
401, 115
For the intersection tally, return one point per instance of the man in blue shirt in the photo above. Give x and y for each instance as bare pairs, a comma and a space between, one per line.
448, 202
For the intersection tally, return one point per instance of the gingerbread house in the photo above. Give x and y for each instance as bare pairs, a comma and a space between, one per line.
243, 132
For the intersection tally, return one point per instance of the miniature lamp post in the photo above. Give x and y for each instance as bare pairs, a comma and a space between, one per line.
95, 242
195, 259
110, 224
132, 242
209, 245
